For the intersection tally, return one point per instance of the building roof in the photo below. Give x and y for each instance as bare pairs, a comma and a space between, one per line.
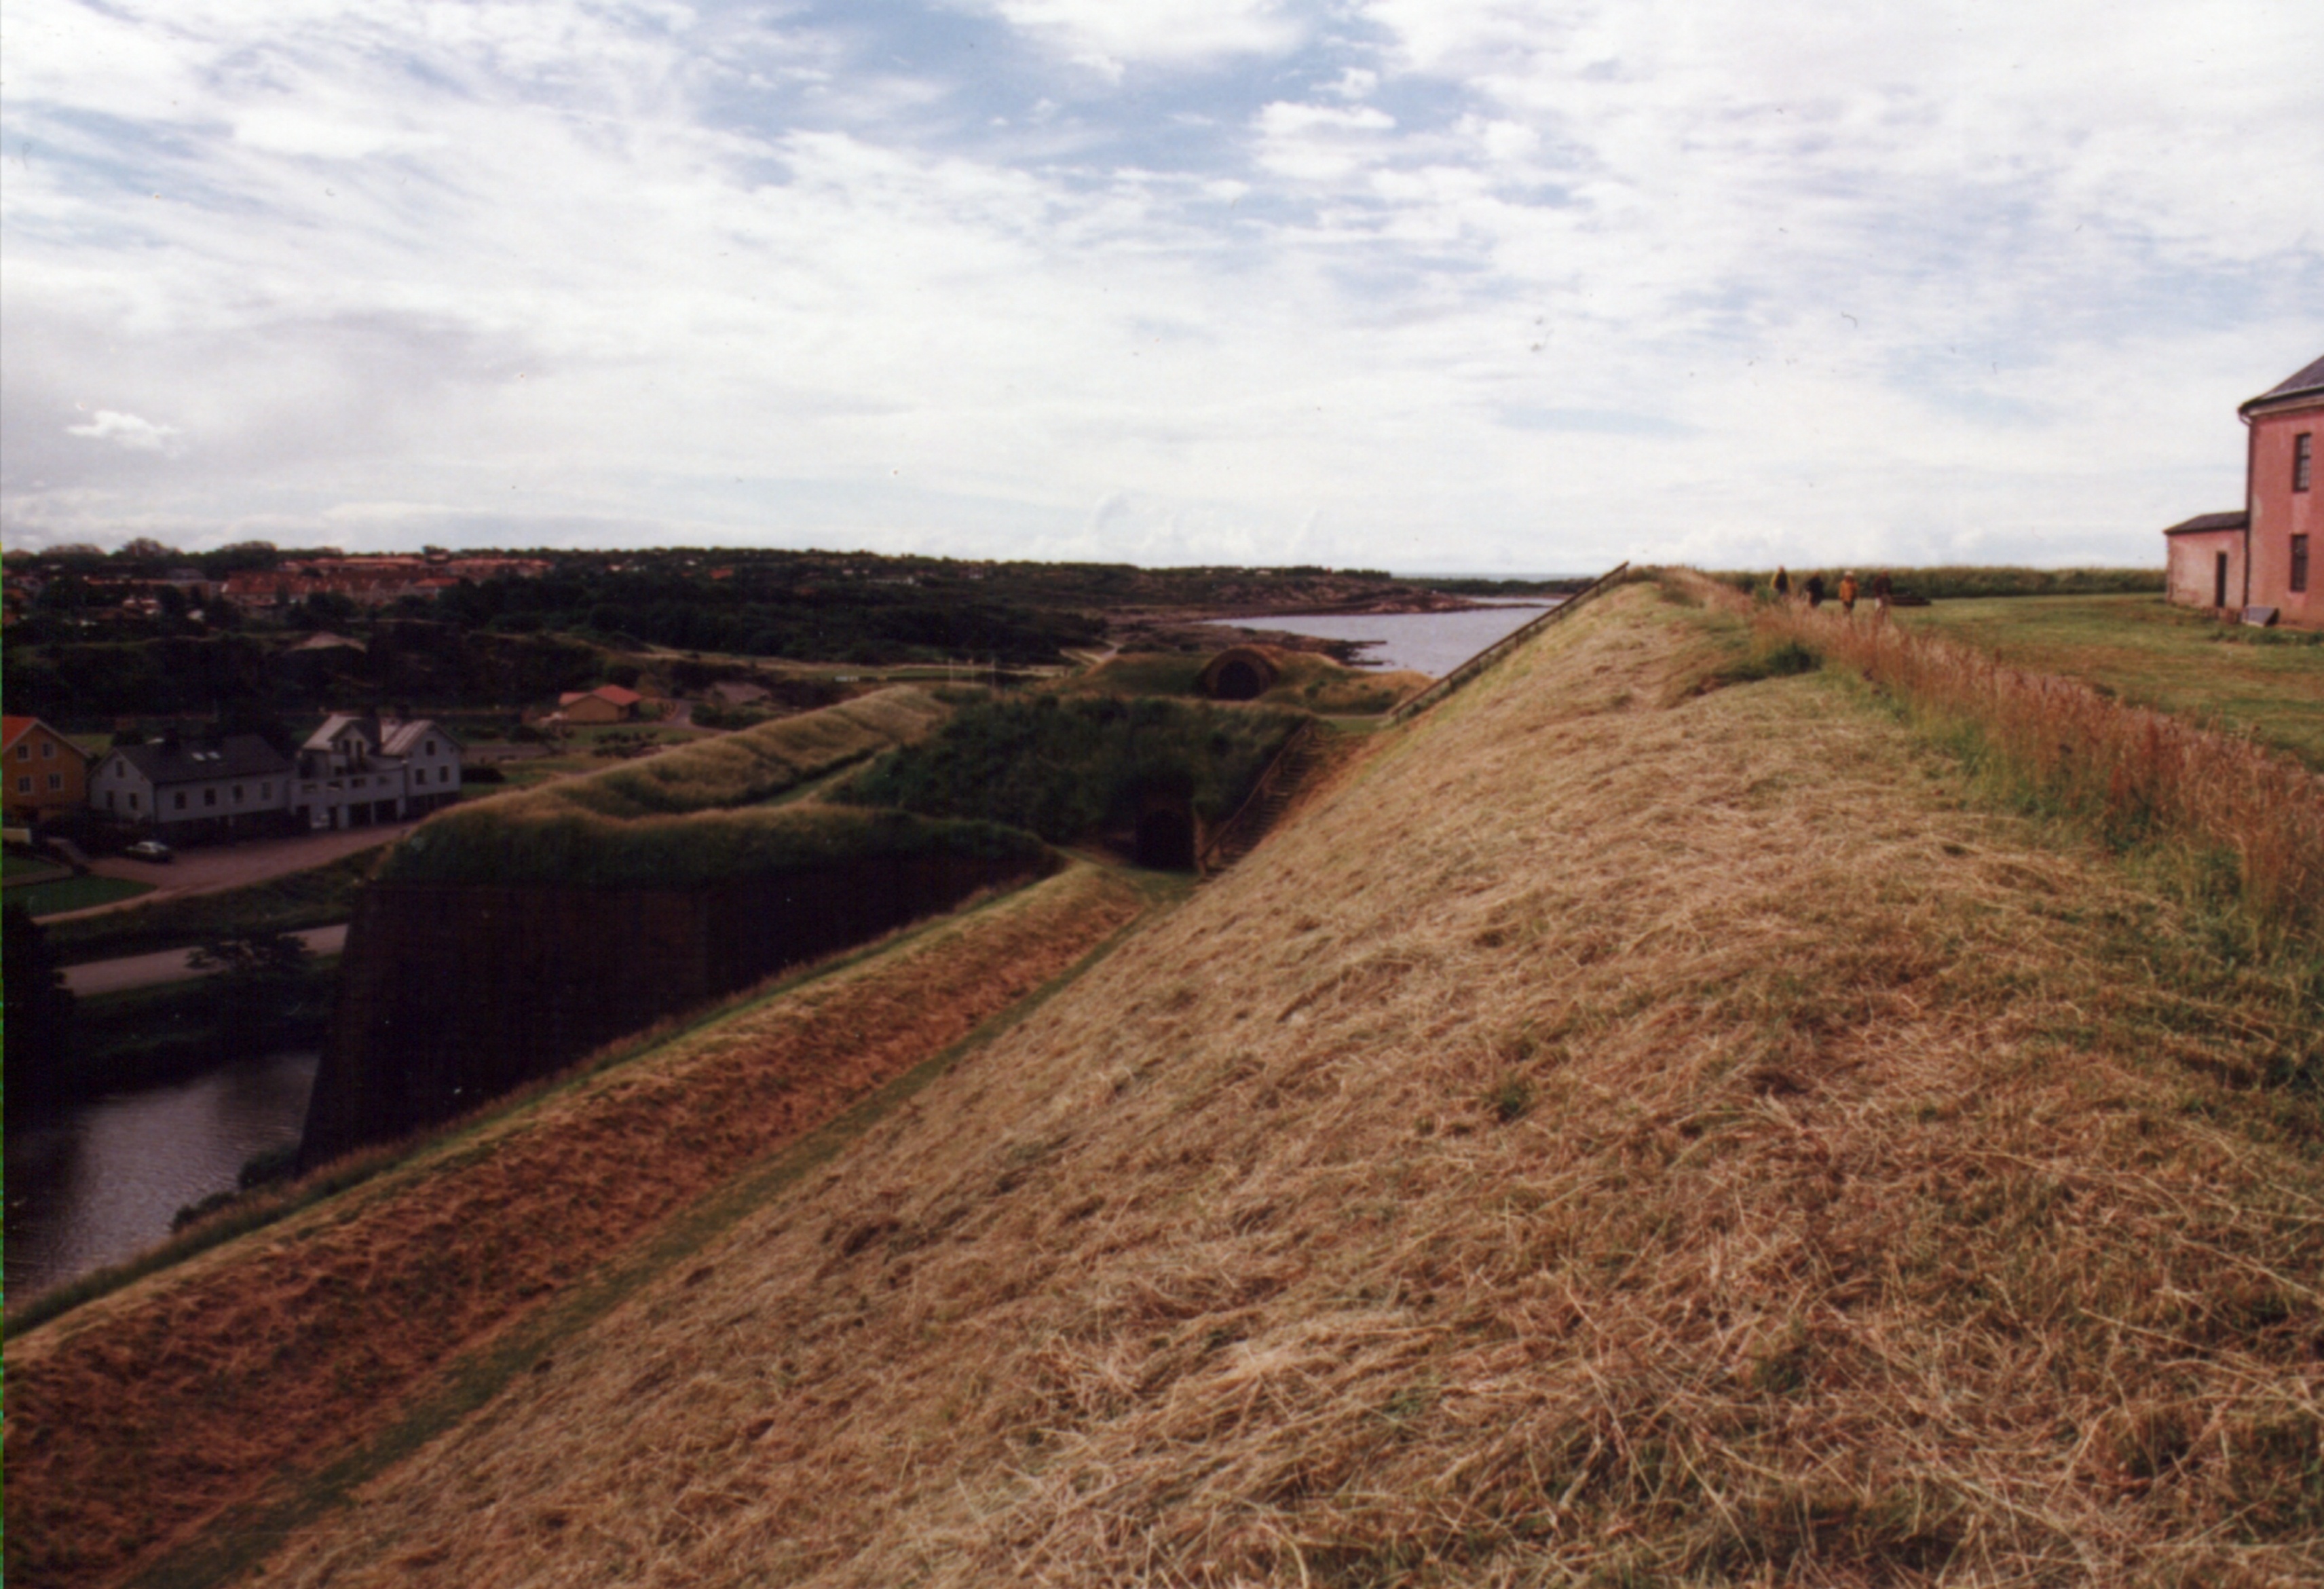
13, 729
390, 737
2206, 522
2306, 382
612, 694
237, 755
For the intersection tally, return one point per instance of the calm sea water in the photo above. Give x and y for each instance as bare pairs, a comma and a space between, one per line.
1434, 643
95, 1184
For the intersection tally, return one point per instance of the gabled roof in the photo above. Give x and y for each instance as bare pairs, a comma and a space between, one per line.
238, 756
2203, 521
2306, 382
13, 729
401, 736
323, 738
390, 737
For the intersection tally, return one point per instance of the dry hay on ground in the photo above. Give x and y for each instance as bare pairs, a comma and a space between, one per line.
134, 1419
1602, 1141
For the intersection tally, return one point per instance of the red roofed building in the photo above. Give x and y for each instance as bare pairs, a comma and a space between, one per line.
608, 703
45, 771
2261, 560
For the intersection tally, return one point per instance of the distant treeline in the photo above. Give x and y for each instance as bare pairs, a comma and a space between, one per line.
251, 676
1960, 581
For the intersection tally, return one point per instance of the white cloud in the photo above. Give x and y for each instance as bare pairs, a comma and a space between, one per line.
130, 432
1167, 32
1543, 288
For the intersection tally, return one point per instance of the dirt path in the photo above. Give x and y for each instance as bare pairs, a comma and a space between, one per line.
214, 868
139, 971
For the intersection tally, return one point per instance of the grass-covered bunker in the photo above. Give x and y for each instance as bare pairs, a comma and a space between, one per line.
507, 938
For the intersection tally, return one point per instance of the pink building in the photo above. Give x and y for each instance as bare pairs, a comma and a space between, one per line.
2259, 558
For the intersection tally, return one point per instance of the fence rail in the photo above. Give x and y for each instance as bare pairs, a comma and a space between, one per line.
1503, 646
1255, 801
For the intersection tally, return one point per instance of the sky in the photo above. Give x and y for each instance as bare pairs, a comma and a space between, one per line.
1440, 285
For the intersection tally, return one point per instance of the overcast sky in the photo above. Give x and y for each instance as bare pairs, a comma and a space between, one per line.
1423, 284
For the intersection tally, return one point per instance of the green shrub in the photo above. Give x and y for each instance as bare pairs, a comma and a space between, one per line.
1062, 768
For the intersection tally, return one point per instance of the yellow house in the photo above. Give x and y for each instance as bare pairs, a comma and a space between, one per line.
45, 771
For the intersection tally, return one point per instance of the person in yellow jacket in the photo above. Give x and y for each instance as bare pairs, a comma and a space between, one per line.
1847, 594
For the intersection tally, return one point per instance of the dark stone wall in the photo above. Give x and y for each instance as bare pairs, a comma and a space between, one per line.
450, 995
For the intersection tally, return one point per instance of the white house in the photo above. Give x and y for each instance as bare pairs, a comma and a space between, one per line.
185, 789
354, 770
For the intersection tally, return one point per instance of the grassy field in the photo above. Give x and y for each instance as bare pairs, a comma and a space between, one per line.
2266, 683
75, 893
1652, 1119
31, 868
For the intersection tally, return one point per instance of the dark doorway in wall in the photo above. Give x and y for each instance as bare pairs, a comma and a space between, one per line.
1166, 833
2219, 580
1239, 673
1238, 681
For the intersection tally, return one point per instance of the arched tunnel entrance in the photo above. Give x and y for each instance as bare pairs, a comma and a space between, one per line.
1166, 832
1239, 673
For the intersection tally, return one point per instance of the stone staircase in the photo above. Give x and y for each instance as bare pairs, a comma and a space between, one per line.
1308, 750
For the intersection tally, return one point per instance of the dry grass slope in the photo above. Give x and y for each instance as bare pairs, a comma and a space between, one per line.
137, 1420
1620, 1134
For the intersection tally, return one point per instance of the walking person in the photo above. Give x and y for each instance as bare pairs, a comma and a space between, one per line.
1881, 591
1814, 590
1781, 583
1847, 594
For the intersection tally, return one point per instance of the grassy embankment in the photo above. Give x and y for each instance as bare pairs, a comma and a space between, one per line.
1962, 581
1306, 681
2267, 683
2236, 825
294, 902
1064, 767
698, 813
1660, 1120
368, 1282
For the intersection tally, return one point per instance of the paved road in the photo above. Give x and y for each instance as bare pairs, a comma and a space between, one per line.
138, 971
207, 868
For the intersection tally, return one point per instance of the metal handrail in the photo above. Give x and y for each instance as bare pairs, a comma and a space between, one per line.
1492, 653
1258, 792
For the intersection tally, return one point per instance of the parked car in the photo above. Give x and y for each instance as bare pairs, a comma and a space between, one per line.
150, 849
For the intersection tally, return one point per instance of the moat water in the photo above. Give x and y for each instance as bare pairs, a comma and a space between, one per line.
1434, 643
97, 1183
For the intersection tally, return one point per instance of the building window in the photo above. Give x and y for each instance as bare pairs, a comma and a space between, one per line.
428, 749
25, 784
133, 799
24, 750
2299, 562
237, 794
56, 781
2304, 459
108, 799
181, 800
209, 796
48, 750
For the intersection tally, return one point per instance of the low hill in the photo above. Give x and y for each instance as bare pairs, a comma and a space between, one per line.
1650, 1120
1305, 682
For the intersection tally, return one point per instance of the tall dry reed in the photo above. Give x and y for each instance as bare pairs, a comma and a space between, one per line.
2138, 774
